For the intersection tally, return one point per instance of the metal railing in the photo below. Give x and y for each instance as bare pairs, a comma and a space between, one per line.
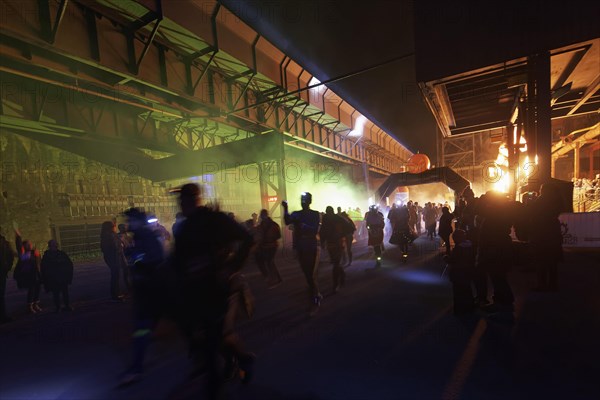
99, 205
586, 199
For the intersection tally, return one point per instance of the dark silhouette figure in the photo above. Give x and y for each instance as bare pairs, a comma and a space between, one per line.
7, 257
268, 234
430, 218
445, 228
401, 231
495, 217
146, 255
545, 236
126, 243
112, 250
57, 274
333, 229
306, 224
27, 272
375, 226
461, 266
210, 249
349, 230
466, 211
179, 218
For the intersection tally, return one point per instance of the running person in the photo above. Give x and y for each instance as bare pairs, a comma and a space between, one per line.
306, 224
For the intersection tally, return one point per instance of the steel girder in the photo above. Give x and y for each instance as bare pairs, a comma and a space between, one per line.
135, 62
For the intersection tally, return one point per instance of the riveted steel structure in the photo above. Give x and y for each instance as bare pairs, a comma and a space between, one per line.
550, 98
168, 90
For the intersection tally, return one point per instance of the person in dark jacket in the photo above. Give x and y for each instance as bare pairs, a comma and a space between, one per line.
306, 224
375, 223
495, 217
112, 250
349, 230
126, 242
465, 213
210, 250
57, 274
445, 228
179, 218
461, 265
268, 233
546, 237
332, 233
27, 272
146, 254
401, 232
7, 257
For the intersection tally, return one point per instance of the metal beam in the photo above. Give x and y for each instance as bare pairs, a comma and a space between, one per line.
59, 17
589, 92
287, 115
332, 80
147, 44
44, 19
241, 75
75, 69
244, 89
442, 96
204, 71
213, 24
143, 21
201, 53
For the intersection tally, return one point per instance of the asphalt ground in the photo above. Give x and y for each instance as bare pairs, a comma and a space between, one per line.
389, 334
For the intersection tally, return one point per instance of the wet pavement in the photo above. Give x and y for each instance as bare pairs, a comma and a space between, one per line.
389, 334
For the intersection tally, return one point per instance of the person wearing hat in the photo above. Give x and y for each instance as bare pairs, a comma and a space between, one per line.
208, 274
306, 223
146, 254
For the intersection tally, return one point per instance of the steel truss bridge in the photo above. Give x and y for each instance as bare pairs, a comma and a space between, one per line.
168, 86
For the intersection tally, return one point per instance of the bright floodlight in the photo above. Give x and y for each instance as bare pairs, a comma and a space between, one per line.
360, 125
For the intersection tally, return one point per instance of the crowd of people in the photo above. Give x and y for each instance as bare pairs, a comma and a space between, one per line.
483, 252
52, 271
587, 189
194, 276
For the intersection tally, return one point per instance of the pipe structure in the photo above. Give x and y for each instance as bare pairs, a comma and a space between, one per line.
593, 133
562, 143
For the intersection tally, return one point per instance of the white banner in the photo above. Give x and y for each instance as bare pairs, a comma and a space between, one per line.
580, 229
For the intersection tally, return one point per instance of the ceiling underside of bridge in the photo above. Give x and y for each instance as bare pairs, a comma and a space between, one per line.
486, 98
44, 49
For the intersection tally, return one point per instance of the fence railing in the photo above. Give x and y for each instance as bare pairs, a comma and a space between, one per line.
586, 199
98, 205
